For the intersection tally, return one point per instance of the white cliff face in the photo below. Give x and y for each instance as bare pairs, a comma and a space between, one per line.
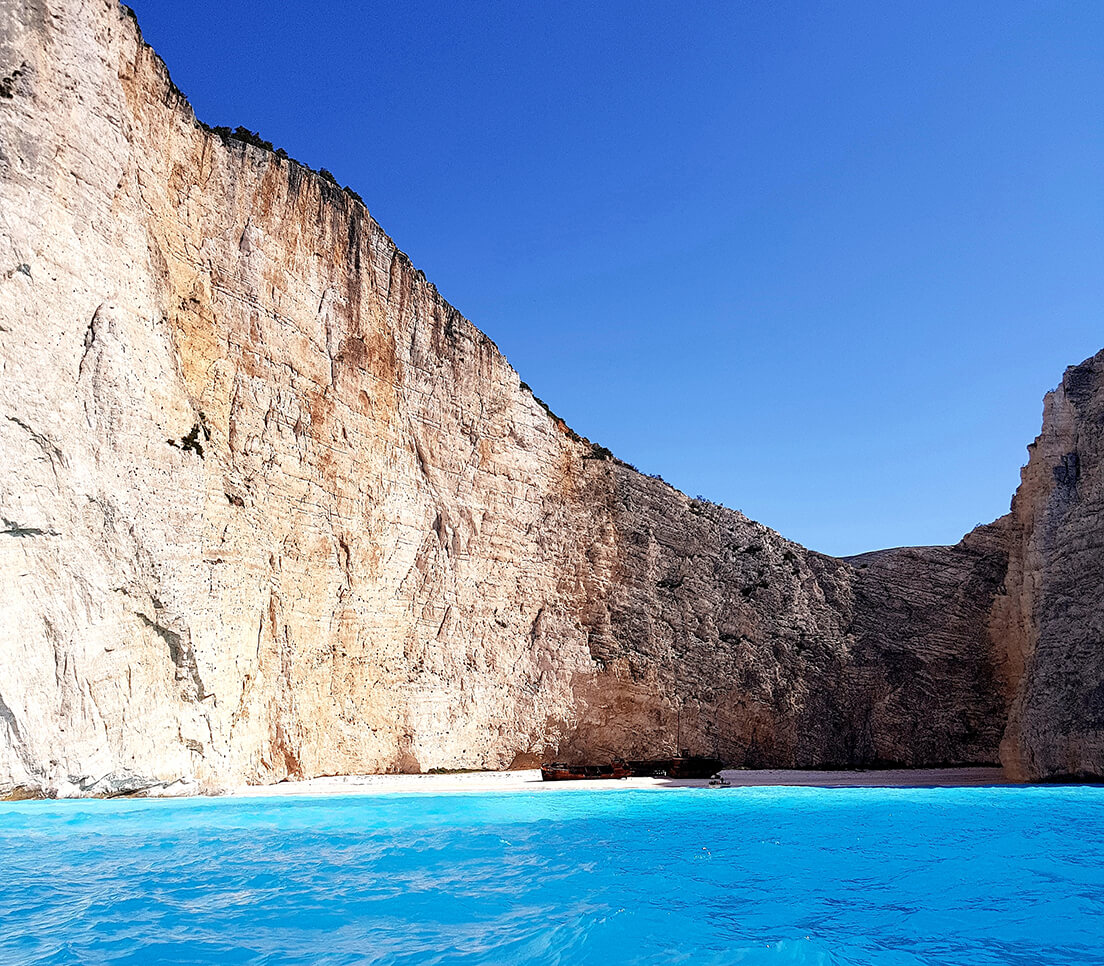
270, 506
252, 460
89, 384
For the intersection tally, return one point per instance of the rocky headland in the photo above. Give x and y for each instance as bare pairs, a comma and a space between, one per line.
271, 507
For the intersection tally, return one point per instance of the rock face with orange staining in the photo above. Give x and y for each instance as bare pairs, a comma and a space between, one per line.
272, 507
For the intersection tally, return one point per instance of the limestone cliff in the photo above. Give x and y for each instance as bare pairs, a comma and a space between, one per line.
1051, 618
272, 507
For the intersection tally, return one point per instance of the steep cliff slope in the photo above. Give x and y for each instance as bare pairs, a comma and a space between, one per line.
270, 506
1051, 619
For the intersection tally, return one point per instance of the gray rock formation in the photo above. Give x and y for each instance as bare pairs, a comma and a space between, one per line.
1050, 622
272, 507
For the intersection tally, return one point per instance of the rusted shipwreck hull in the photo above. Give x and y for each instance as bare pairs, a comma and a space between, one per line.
680, 766
559, 772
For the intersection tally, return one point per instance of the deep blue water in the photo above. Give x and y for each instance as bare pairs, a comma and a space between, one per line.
764, 875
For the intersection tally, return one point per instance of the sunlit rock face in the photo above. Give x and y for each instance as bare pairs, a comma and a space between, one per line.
272, 507
1051, 620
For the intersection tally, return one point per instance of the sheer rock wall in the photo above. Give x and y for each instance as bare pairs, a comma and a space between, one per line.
272, 507
1050, 621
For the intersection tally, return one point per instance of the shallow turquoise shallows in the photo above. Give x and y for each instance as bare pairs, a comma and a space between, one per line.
763, 875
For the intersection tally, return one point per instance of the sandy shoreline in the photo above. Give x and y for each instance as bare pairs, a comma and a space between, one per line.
530, 781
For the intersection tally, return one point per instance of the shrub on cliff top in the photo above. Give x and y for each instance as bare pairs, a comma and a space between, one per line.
246, 136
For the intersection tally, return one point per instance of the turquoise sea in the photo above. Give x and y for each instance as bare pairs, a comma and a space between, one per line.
743, 875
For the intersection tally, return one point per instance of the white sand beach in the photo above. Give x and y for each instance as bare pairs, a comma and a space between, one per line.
530, 781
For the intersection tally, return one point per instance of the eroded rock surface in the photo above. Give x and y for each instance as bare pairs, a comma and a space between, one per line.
1051, 621
272, 507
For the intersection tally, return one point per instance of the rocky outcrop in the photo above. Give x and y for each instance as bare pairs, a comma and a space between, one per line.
717, 635
1050, 621
272, 507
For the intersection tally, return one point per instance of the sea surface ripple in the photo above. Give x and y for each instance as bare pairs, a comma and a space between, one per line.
775, 876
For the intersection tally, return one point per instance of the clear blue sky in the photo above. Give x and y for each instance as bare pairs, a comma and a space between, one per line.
818, 261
